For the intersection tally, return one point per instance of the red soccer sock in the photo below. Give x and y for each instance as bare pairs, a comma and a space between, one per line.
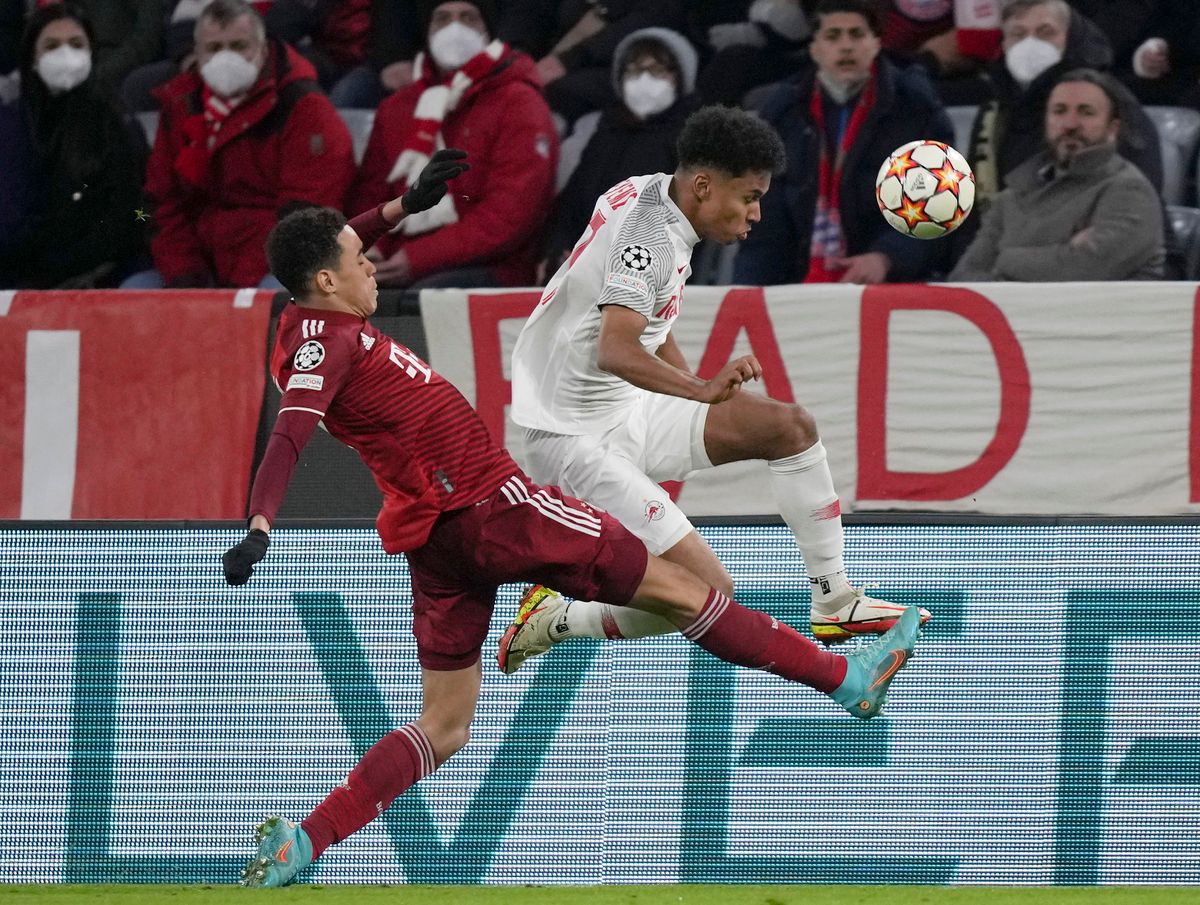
751, 638
395, 762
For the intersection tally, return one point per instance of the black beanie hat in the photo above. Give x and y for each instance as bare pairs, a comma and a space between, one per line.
487, 9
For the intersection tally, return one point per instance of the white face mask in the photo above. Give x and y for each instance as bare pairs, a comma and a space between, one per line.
454, 44
647, 94
1029, 58
64, 68
229, 73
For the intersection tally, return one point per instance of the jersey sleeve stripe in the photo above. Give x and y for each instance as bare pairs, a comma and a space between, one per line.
300, 408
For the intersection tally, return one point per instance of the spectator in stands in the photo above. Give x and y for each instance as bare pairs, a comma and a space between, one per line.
247, 138
1077, 210
1042, 40
1165, 68
71, 166
573, 42
765, 45
654, 74
330, 34
394, 42
839, 121
480, 95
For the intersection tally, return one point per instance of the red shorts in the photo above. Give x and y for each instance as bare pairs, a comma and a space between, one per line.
522, 533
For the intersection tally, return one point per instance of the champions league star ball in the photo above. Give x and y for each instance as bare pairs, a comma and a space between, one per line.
925, 189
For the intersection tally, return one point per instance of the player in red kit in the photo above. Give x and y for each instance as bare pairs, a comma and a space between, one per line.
468, 520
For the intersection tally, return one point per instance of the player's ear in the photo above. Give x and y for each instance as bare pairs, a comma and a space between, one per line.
325, 282
702, 185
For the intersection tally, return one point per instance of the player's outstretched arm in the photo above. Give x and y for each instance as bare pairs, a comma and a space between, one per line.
292, 431
622, 354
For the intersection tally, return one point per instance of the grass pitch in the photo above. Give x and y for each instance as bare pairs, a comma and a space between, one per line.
50, 894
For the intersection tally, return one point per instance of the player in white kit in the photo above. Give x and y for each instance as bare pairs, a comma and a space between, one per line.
610, 408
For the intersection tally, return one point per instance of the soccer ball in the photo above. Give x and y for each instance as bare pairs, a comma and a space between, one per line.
925, 189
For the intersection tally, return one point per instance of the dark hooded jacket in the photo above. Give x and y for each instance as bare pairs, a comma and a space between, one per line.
71, 169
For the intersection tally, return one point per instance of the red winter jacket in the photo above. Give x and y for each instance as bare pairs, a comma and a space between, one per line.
504, 124
212, 230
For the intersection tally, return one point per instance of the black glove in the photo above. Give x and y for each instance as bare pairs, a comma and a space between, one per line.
430, 186
239, 560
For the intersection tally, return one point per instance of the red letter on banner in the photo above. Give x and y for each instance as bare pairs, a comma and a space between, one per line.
493, 391
875, 480
746, 309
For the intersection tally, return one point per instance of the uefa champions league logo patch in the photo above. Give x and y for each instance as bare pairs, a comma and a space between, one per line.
309, 355
635, 257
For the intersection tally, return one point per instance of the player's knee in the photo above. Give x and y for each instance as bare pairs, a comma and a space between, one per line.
671, 591
447, 739
795, 430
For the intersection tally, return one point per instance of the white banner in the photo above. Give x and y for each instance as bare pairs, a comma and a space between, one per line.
1065, 398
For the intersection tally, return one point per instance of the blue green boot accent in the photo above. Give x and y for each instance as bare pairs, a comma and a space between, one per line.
283, 851
870, 670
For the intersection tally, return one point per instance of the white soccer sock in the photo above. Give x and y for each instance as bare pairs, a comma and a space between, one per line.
592, 619
809, 505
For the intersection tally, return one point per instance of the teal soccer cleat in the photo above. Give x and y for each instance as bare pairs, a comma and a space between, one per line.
283, 851
870, 670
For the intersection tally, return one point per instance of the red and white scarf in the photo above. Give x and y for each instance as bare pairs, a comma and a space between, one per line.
200, 133
438, 99
828, 241
217, 109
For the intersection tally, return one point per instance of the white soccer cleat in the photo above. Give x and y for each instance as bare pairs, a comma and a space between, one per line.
862, 615
532, 630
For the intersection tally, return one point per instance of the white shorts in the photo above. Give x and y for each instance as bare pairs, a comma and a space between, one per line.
661, 440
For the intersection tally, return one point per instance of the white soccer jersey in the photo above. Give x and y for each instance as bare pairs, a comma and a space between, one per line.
636, 252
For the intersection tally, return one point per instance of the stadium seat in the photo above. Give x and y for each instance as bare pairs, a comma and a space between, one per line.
1185, 239
963, 119
148, 120
571, 148
1179, 132
359, 121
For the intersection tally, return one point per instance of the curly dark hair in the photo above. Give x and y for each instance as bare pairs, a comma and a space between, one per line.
302, 243
730, 139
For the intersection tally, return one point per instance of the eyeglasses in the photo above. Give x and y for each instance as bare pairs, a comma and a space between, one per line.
658, 70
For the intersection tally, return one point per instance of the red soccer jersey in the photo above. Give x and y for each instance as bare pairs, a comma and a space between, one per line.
427, 449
